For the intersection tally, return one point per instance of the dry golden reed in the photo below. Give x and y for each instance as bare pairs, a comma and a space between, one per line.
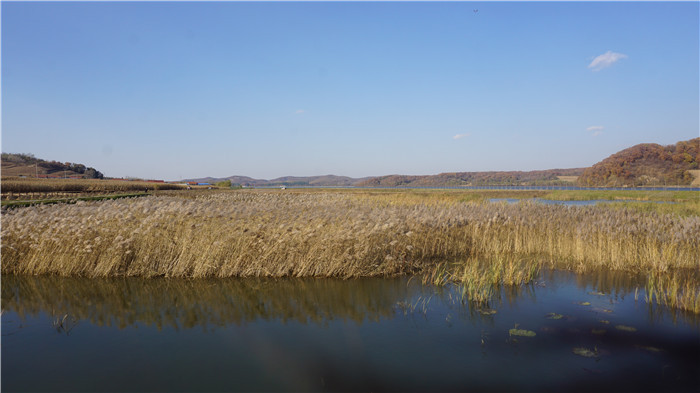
340, 234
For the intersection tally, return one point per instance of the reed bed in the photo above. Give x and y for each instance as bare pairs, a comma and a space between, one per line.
336, 234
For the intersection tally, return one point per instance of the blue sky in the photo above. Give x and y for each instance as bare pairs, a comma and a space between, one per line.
173, 90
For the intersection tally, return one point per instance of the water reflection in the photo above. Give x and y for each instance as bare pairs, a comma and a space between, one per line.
354, 335
614, 283
182, 303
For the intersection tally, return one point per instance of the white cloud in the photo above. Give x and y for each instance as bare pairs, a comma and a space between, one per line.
606, 60
460, 136
597, 130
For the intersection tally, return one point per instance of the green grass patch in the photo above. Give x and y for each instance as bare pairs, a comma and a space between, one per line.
683, 209
632, 195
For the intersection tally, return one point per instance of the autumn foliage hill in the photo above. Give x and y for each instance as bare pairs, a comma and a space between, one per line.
646, 164
30, 166
543, 177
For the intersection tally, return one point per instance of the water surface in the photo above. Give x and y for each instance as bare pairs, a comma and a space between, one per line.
63, 334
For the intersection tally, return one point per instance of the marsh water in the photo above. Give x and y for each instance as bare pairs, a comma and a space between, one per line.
571, 333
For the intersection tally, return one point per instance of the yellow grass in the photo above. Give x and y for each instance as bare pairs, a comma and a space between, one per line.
342, 234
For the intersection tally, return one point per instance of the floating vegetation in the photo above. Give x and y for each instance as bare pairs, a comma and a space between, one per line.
522, 333
650, 348
583, 303
488, 311
598, 332
585, 352
604, 321
553, 315
596, 293
625, 328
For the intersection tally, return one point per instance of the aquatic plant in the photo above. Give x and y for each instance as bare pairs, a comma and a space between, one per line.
585, 352
553, 315
521, 332
677, 289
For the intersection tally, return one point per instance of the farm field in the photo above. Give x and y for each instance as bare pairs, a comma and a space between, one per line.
23, 188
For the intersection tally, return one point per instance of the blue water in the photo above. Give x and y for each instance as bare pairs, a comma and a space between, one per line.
63, 334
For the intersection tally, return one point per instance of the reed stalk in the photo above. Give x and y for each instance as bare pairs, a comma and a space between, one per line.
345, 234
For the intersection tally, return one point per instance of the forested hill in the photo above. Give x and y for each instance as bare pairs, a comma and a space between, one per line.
28, 165
646, 164
544, 177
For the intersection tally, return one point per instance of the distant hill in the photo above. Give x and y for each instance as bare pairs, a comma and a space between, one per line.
646, 164
550, 176
315, 181
30, 166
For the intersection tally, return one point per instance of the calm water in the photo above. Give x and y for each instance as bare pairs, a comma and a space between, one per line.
63, 334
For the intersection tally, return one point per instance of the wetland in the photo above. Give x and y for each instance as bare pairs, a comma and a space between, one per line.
270, 290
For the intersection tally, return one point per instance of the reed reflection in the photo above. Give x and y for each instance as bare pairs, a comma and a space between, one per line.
182, 303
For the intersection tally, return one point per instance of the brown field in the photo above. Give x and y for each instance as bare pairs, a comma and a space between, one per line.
31, 188
571, 179
696, 177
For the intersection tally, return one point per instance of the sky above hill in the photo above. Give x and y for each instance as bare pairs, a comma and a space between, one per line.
173, 90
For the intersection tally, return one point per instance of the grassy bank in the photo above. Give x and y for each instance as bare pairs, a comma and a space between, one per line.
349, 234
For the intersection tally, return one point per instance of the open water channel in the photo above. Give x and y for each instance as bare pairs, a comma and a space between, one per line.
584, 333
